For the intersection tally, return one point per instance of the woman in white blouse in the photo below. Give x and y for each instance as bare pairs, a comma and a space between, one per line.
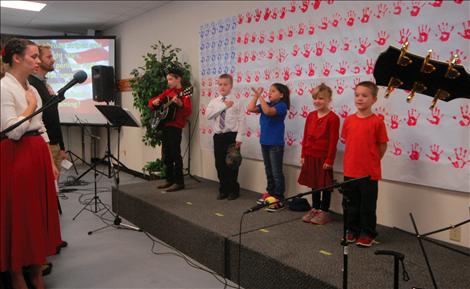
29, 221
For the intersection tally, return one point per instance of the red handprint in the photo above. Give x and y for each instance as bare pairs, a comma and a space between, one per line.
397, 7
286, 74
258, 14
307, 50
246, 92
277, 73
382, 37
240, 18
272, 36
290, 138
324, 23
300, 89
304, 6
459, 54
301, 30
415, 152
351, 18
394, 121
326, 68
333, 45
346, 44
413, 116
343, 67
239, 37
248, 77
267, 74
283, 13
339, 86
267, 14
239, 77
311, 28
239, 57
436, 3
311, 69
249, 16
465, 115
246, 39
292, 6
381, 112
458, 1
209, 93
248, 132
295, 50
436, 116
363, 45
316, 4
274, 14
397, 150
203, 92
203, 130
382, 9
435, 153
313, 88
416, 7
253, 56
423, 33
282, 55
246, 56
292, 112
203, 110
280, 34
304, 111
345, 110
290, 31
369, 68
336, 19
460, 158
445, 30
209, 82
298, 70
270, 53
404, 35
319, 45
261, 37
238, 94
466, 30
356, 81
253, 37
365, 15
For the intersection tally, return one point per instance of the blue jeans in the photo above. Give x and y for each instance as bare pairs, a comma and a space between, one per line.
272, 157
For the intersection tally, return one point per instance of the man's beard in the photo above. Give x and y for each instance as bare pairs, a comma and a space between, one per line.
48, 68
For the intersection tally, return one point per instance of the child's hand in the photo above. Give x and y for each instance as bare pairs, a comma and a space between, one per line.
228, 103
302, 160
257, 92
327, 166
156, 102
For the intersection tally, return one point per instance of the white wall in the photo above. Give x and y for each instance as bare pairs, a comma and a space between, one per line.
178, 23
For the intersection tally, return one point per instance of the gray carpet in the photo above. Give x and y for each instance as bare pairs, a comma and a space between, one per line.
289, 254
114, 258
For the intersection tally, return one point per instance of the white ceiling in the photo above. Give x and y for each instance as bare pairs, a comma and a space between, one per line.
77, 16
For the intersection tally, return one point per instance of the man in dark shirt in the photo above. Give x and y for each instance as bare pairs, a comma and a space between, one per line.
50, 116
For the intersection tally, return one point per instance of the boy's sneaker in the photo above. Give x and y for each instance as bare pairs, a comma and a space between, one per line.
365, 241
263, 198
309, 216
350, 238
321, 218
275, 207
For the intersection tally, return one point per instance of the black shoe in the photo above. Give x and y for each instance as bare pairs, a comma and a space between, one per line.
232, 197
221, 196
175, 187
46, 269
61, 245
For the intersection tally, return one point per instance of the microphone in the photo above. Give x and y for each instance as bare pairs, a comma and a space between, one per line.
79, 77
265, 203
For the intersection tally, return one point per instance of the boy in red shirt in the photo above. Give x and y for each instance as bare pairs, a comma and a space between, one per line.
172, 130
365, 138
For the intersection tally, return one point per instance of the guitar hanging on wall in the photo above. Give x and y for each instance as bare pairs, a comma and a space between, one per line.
396, 68
167, 110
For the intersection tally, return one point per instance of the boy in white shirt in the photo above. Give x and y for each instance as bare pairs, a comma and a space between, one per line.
228, 122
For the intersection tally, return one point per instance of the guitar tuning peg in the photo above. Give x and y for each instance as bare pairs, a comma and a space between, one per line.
404, 60
452, 73
427, 67
418, 87
440, 94
392, 84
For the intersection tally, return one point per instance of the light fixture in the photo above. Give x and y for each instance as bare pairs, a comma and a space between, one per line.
23, 5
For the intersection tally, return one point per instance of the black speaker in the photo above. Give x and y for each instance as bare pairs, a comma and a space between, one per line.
104, 88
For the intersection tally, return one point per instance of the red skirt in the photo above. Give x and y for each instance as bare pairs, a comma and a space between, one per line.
29, 219
313, 175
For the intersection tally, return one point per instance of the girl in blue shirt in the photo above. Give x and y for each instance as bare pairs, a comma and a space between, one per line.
272, 127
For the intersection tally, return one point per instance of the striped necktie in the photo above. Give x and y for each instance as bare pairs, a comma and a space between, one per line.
222, 116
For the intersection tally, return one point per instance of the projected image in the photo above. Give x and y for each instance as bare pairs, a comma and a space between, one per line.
72, 55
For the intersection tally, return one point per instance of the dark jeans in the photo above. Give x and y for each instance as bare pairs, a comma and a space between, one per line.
171, 150
272, 157
361, 216
321, 200
228, 184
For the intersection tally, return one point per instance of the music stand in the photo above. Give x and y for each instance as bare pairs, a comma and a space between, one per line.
118, 117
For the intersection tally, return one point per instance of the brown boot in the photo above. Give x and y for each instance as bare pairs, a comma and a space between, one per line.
165, 185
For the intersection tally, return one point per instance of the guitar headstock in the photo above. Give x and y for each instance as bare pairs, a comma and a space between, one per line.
188, 91
396, 68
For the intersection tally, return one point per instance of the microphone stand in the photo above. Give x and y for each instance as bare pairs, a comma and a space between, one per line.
344, 242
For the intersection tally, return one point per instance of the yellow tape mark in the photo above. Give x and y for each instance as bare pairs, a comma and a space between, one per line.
264, 230
326, 253
219, 214
189, 203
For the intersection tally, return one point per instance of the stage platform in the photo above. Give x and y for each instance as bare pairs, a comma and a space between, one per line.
278, 250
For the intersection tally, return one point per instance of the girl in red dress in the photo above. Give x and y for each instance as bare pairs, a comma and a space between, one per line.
29, 220
318, 154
